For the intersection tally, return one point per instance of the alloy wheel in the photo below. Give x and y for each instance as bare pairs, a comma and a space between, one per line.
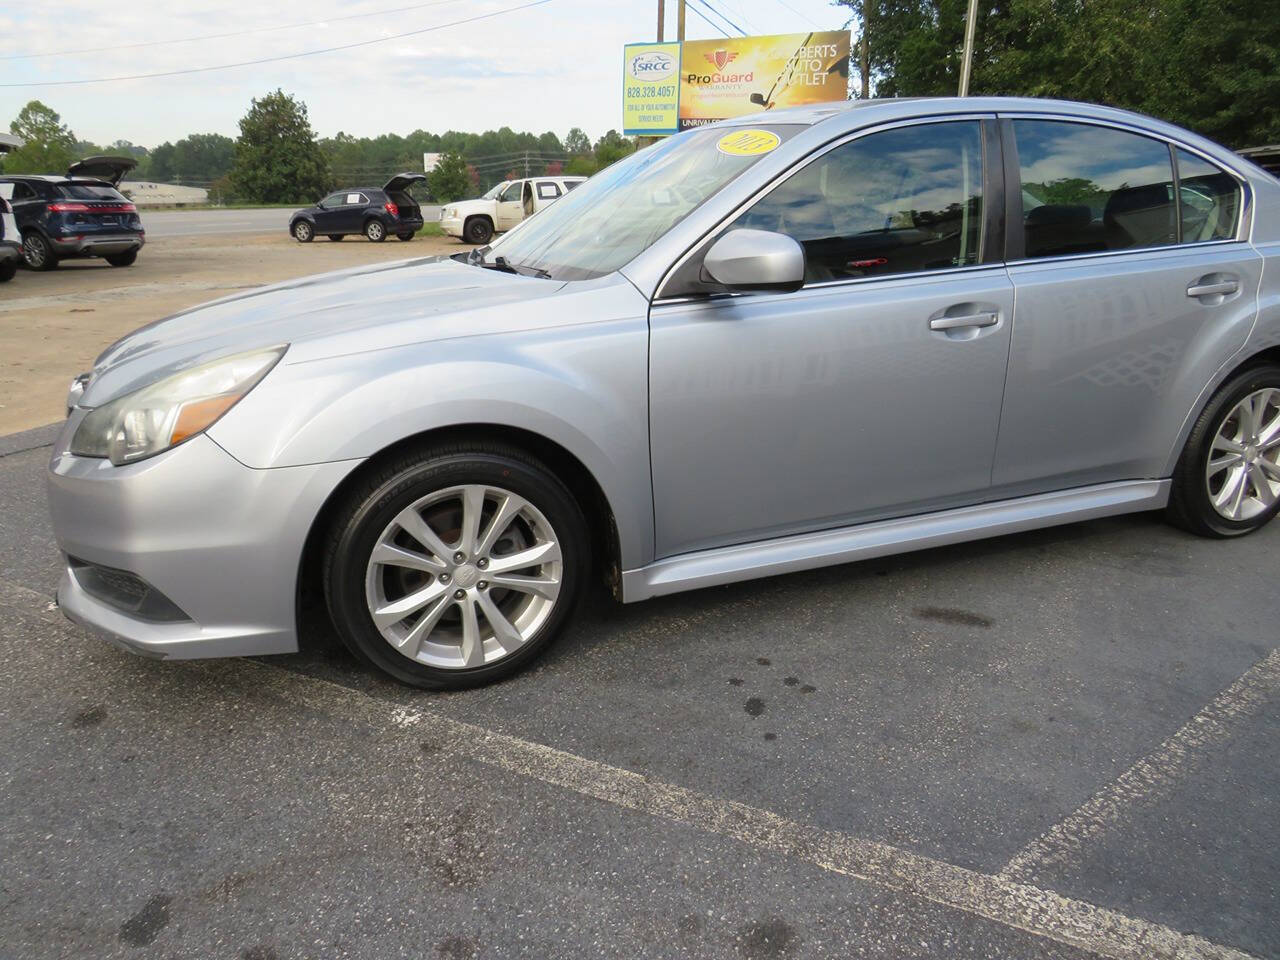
463, 577
34, 250
1243, 469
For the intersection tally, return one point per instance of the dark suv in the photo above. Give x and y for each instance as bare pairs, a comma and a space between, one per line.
81, 214
373, 211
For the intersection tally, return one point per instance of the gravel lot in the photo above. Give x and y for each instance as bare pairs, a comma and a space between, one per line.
1060, 744
53, 324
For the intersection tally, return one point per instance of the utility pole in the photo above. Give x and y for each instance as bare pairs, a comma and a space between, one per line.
526, 163
680, 22
662, 16
966, 67
864, 49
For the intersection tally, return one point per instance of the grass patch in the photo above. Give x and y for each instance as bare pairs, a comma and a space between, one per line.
430, 229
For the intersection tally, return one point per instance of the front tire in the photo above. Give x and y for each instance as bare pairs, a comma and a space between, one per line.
375, 231
1227, 482
37, 253
477, 230
455, 566
303, 232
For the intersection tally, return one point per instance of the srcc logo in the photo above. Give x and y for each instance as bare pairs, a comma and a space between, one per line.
652, 66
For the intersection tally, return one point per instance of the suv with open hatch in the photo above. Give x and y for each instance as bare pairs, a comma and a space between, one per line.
375, 212
80, 214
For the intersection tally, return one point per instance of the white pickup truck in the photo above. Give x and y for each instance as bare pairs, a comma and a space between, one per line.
476, 221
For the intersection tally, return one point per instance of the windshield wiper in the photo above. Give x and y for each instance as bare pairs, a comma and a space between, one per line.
506, 266
497, 263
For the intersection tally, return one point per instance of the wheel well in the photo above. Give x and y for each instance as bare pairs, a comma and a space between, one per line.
477, 216
1269, 355
606, 557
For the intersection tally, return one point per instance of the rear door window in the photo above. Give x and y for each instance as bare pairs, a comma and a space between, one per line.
1209, 200
548, 191
1090, 189
905, 200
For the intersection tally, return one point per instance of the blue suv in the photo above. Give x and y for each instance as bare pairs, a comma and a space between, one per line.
81, 214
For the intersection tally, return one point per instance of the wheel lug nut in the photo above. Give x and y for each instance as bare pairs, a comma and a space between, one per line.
482, 563
483, 584
444, 578
459, 594
459, 557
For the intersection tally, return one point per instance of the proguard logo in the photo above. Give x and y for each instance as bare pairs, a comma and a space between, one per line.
652, 66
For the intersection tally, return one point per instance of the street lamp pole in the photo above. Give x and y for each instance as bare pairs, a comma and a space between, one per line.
966, 67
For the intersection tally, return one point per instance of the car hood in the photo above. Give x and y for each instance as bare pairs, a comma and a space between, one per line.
472, 206
388, 304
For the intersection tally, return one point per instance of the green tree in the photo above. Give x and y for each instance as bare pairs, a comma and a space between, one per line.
450, 180
49, 147
576, 142
612, 147
277, 159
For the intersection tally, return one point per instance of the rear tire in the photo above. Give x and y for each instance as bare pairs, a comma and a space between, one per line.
36, 251
466, 630
477, 230
7, 270
122, 259
1227, 482
406, 237
375, 231
335, 237
303, 232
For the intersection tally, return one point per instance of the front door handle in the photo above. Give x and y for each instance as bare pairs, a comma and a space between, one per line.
1220, 288
971, 320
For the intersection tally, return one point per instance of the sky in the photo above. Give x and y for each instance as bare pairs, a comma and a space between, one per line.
550, 66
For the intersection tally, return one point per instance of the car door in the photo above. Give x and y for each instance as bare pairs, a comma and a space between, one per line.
352, 211
28, 205
510, 206
328, 214
872, 392
1130, 296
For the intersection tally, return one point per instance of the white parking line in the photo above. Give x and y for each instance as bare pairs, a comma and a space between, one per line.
1153, 777
1000, 899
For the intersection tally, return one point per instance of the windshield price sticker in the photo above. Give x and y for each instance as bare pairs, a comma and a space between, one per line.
747, 143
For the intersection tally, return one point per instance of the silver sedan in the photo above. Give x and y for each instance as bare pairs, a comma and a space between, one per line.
796, 339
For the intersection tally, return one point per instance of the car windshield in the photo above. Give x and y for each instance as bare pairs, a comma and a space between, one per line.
88, 191
616, 214
493, 193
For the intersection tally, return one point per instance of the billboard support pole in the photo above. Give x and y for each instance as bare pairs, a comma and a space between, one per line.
966, 67
662, 16
680, 21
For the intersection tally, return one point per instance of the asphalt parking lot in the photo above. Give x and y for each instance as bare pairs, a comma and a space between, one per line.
1056, 744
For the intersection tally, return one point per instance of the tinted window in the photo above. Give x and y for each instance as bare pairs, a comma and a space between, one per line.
355, 199
88, 191
548, 191
570, 184
901, 201
512, 192
1210, 200
22, 191
1087, 189
333, 200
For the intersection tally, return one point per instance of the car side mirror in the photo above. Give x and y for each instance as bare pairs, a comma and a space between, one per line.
755, 260
758, 99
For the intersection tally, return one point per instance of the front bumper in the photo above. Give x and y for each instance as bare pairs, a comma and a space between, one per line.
452, 226
90, 245
221, 541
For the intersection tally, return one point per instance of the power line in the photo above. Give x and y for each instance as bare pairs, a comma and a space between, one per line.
705, 19
799, 14
287, 56
722, 15
222, 36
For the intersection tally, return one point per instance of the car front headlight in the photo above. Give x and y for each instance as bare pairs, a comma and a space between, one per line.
155, 418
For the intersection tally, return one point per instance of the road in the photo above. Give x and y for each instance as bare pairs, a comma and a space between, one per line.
190, 223
1060, 744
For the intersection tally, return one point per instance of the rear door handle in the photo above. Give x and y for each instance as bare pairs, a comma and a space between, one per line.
972, 320
1221, 288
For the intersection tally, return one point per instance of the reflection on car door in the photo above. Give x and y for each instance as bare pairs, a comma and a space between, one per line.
510, 206
875, 391
352, 211
1112, 344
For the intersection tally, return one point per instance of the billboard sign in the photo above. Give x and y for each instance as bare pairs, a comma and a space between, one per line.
734, 76
650, 88
669, 87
